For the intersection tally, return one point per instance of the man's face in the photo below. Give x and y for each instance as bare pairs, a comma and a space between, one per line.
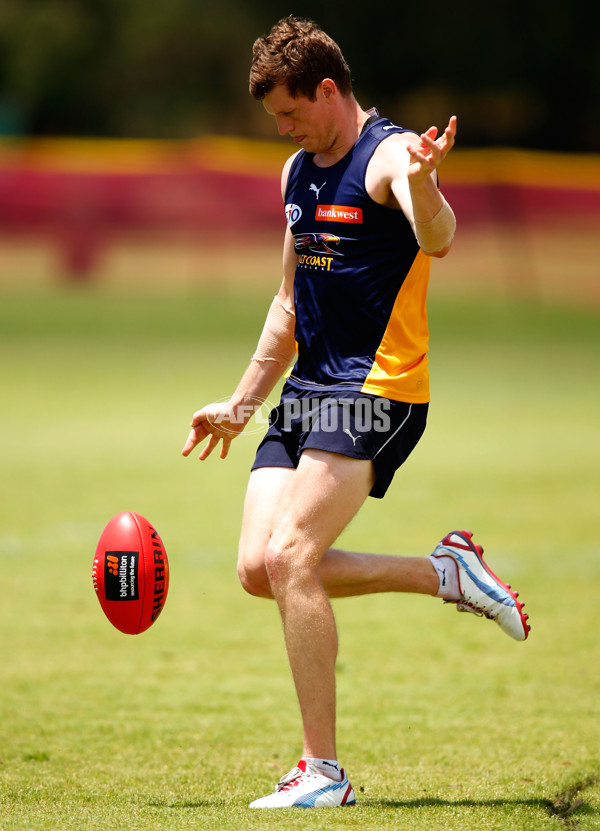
304, 120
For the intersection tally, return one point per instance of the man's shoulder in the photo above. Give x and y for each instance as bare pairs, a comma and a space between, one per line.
390, 149
390, 142
290, 160
389, 161
285, 173
381, 127
385, 132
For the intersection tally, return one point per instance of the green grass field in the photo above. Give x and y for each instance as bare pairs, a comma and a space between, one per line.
444, 723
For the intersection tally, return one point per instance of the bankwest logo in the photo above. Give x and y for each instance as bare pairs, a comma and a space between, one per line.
339, 213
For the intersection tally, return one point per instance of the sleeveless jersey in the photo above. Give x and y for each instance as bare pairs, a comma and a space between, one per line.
360, 284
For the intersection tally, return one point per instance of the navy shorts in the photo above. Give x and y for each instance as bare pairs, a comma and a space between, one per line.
352, 424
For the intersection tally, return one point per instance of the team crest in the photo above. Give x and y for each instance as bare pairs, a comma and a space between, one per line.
317, 243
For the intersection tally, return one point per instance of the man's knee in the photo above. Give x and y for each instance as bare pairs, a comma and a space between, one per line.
253, 575
286, 566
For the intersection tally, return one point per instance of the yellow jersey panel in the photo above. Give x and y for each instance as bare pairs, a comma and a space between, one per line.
400, 370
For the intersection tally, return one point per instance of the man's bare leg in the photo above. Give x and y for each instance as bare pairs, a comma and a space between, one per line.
320, 499
342, 573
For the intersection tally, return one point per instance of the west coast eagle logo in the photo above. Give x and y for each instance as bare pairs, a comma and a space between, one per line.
317, 243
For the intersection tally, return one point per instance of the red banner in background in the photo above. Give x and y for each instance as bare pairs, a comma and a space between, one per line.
83, 191
42, 192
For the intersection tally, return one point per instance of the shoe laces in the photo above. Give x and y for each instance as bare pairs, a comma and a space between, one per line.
292, 779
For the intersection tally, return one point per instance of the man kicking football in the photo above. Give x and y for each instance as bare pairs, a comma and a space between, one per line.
364, 217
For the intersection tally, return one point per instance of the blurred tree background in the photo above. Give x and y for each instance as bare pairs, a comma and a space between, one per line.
522, 73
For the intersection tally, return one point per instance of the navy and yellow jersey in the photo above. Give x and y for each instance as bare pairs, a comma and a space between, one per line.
360, 284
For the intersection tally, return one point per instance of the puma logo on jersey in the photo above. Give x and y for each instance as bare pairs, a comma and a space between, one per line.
354, 438
391, 127
316, 189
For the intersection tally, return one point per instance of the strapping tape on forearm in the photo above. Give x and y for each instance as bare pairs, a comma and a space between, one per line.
436, 234
277, 342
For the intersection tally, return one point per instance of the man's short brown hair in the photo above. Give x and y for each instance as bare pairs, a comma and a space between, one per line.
298, 54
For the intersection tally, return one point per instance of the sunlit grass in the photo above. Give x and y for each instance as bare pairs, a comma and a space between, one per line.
444, 722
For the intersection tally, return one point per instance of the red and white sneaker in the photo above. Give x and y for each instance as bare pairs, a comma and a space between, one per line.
305, 787
481, 592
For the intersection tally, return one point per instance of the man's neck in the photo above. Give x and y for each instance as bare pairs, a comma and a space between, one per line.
351, 122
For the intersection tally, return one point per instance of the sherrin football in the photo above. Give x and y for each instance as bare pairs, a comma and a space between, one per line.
131, 573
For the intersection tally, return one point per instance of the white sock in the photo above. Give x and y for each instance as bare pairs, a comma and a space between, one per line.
447, 572
328, 767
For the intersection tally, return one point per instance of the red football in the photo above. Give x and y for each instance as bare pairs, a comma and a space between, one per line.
131, 573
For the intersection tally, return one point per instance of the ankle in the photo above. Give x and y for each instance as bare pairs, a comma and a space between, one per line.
327, 767
447, 572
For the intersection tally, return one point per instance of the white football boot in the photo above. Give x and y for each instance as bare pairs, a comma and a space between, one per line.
305, 787
481, 592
